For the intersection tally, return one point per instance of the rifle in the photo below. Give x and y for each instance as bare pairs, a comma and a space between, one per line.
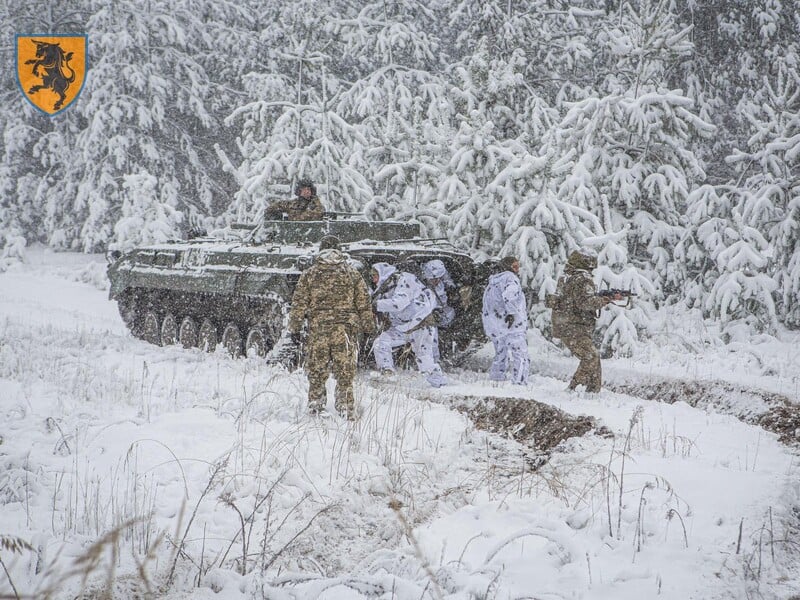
611, 292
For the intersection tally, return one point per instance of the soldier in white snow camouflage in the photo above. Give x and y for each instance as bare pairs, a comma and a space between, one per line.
442, 285
408, 306
505, 321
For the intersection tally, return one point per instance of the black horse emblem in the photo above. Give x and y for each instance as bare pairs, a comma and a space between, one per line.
53, 63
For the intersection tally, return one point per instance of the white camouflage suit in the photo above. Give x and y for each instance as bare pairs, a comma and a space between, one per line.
407, 303
503, 297
434, 270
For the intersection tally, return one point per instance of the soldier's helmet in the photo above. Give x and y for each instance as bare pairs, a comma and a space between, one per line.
329, 242
305, 183
506, 264
582, 260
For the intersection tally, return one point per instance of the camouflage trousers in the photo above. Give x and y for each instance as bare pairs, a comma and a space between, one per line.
331, 349
422, 341
589, 373
510, 357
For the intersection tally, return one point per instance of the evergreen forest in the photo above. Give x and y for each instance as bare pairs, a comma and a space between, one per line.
662, 134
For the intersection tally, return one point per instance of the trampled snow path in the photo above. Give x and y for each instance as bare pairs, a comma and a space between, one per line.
100, 429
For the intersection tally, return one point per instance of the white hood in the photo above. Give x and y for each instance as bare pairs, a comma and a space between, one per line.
435, 269
384, 270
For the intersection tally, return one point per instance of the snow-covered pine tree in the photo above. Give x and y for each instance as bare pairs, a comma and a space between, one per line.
631, 140
21, 204
620, 327
707, 206
36, 166
737, 43
477, 216
543, 230
149, 214
536, 48
12, 247
265, 85
742, 294
291, 128
771, 195
501, 83
727, 259
747, 59
145, 108
396, 99
490, 168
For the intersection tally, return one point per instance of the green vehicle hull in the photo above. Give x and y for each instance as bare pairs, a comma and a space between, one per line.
235, 288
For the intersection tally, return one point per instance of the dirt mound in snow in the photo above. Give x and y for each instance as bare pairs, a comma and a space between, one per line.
539, 426
785, 421
774, 412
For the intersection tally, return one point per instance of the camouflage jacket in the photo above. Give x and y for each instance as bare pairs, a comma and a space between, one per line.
576, 303
298, 209
331, 292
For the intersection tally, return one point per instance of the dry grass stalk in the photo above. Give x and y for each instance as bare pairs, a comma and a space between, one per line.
305, 528
92, 562
635, 417
217, 469
15, 545
396, 505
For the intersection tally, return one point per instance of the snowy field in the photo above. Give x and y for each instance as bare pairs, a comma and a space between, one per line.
130, 471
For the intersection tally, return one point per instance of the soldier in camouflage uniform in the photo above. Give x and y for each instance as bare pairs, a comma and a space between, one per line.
575, 307
332, 296
306, 207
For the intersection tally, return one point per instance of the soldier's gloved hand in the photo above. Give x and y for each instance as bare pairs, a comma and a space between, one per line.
509, 320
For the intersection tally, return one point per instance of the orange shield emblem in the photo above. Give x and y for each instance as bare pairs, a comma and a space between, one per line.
51, 69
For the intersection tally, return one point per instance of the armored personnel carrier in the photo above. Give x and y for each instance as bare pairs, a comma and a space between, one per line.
235, 288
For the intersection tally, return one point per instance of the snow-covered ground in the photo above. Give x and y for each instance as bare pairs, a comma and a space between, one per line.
197, 476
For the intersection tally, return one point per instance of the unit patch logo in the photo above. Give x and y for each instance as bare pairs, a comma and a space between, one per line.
51, 69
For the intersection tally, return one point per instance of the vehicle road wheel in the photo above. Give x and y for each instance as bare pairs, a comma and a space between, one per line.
187, 334
232, 340
151, 332
207, 339
169, 330
256, 343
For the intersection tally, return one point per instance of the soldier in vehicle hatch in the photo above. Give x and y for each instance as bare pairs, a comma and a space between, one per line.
575, 307
333, 297
305, 207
